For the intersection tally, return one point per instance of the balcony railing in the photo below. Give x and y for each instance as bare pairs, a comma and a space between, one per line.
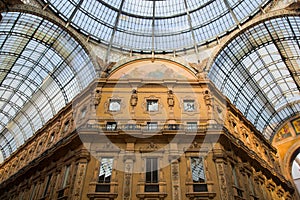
145, 128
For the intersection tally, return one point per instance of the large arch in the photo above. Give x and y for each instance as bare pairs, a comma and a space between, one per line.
43, 67
257, 70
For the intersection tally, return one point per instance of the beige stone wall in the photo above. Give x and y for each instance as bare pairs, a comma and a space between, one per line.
227, 142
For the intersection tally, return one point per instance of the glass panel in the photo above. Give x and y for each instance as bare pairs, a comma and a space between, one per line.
250, 71
152, 105
189, 105
42, 69
151, 170
66, 176
197, 167
192, 126
152, 125
105, 170
114, 105
168, 20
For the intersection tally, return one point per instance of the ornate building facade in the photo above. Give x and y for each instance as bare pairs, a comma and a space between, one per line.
133, 136
149, 100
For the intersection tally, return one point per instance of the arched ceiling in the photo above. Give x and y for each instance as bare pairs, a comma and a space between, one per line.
42, 69
258, 70
155, 25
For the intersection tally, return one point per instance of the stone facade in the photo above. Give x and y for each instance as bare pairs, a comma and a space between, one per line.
198, 144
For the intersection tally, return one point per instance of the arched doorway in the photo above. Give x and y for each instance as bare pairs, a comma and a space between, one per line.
295, 170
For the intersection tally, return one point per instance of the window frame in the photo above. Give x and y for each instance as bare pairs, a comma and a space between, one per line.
189, 101
200, 185
152, 174
111, 126
104, 184
149, 109
112, 109
152, 126
191, 126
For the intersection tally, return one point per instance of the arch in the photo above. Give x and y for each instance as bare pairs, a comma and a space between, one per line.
290, 156
43, 66
173, 63
257, 70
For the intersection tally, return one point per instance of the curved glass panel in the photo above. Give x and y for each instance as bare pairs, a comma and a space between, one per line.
258, 72
42, 69
149, 25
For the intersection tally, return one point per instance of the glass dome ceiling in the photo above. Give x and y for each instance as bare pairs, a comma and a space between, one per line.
42, 69
155, 25
258, 70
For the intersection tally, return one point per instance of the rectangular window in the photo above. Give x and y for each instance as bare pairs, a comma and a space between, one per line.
151, 175
114, 105
52, 137
66, 176
105, 170
83, 113
66, 126
104, 177
198, 174
189, 105
152, 126
111, 126
47, 185
152, 105
238, 190
191, 126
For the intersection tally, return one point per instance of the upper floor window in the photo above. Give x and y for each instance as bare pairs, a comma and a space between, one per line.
47, 185
66, 176
236, 182
152, 105
191, 126
66, 126
111, 126
114, 105
105, 170
83, 113
52, 136
198, 174
152, 126
151, 175
189, 105
104, 177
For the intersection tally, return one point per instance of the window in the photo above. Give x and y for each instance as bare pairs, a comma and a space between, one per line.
61, 192
52, 137
83, 113
66, 176
66, 126
104, 176
111, 126
47, 185
189, 105
151, 175
198, 174
152, 105
191, 126
152, 126
236, 183
114, 105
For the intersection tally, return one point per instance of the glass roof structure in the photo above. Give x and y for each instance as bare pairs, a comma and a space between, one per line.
258, 70
155, 25
42, 69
